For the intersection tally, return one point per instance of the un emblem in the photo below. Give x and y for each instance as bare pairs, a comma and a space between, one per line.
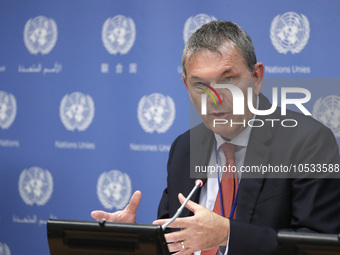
40, 35
118, 34
289, 32
35, 186
4, 250
76, 111
194, 23
114, 189
327, 111
156, 113
8, 109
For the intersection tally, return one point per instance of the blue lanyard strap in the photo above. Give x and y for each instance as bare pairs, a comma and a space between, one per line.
234, 204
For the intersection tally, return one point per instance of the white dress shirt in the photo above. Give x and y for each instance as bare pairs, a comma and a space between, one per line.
210, 189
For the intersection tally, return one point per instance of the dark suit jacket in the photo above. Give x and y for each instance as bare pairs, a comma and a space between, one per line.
266, 205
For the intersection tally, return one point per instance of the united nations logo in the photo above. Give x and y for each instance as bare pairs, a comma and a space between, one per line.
76, 111
194, 23
114, 189
289, 32
40, 35
118, 34
156, 113
327, 111
4, 250
8, 109
35, 186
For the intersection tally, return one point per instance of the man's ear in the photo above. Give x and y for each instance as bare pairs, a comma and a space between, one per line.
187, 86
258, 77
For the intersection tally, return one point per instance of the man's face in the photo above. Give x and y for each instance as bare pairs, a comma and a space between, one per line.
208, 68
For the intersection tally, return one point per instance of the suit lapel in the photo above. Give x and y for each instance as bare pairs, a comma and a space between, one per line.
257, 154
201, 143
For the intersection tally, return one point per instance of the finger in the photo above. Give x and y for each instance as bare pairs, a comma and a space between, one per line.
185, 252
173, 247
178, 223
98, 215
192, 206
177, 236
134, 202
160, 222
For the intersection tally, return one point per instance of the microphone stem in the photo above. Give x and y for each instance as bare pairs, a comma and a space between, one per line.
179, 211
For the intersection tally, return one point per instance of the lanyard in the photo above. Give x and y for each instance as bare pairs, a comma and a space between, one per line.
232, 211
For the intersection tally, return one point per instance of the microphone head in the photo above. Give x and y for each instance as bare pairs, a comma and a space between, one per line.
199, 181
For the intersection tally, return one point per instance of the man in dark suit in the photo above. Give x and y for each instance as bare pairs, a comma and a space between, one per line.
266, 205
222, 53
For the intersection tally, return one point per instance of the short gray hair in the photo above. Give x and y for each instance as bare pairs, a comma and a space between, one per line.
214, 35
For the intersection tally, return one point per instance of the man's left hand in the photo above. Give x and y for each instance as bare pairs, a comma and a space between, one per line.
203, 231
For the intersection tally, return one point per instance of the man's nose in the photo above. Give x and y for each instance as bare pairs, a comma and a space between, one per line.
224, 94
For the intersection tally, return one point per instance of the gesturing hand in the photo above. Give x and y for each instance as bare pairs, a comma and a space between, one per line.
203, 231
128, 215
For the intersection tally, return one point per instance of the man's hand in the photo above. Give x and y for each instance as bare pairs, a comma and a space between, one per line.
128, 215
203, 231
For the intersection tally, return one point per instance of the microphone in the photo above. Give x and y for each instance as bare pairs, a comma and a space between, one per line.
198, 184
